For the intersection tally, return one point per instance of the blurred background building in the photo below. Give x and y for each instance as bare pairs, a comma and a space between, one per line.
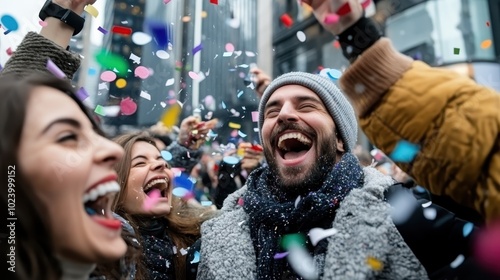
209, 48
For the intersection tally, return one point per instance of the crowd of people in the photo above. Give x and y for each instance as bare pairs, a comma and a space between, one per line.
305, 202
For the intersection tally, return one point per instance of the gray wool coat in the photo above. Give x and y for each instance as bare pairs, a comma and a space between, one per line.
365, 229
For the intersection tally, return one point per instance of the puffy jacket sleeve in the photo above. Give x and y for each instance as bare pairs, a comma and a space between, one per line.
454, 120
32, 55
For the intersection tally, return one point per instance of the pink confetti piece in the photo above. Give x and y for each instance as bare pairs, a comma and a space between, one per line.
240, 201
331, 19
166, 1
255, 116
52, 67
193, 75
487, 247
108, 76
42, 23
229, 47
280, 255
82, 94
141, 72
151, 199
365, 3
128, 106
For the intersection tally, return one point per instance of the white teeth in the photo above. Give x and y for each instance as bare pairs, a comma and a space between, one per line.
154, 182
101, 190
294, 135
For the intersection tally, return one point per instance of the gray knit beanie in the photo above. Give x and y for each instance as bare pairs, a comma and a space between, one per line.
335, 102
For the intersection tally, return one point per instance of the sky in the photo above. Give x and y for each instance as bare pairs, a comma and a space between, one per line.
25, 13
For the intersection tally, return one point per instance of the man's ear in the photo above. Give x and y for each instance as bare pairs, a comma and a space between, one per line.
340, 145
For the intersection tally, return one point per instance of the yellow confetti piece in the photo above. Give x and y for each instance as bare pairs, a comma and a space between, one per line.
171, 116
374, 263
121, 83
486, 44
234, 125
91, 10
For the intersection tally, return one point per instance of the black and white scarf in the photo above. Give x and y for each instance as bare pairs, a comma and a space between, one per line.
271, 217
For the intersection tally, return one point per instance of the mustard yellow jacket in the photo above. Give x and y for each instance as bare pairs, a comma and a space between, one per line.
455, 121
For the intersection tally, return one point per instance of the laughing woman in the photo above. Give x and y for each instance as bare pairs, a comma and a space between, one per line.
62, 182
167, 224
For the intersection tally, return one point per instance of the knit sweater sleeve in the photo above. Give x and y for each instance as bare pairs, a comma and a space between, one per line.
367, 80
33, 53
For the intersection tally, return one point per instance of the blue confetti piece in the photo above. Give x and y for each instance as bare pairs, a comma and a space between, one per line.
7, 32
240, 93
334, 74
166, 155
280, 255
404, 151
102, 30
467, 229
1, 68
223, 105
10, 23
206, 203
241, 134
160, 32
196, 258
92, 72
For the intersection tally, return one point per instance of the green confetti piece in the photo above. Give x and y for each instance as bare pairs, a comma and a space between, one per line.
295, 239
112, 61
456, 51
100, 110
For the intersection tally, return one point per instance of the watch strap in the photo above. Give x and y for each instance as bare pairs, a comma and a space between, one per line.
65, 15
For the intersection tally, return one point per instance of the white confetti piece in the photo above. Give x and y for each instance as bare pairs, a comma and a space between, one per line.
240, 223
301, 262
403, 205
458, 261
250, 54
170, 82
427, 204
317, 234
135, 59
241, 134
163, 104
103, 86
227, 54
430, 213
297, 200
183, 251
162, 54
141, 38
145, 95
301, 36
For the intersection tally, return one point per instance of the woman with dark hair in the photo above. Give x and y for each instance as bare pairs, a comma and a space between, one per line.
60, 184
168, 225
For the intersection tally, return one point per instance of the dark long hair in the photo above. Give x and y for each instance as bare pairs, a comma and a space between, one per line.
184, 220
34, 258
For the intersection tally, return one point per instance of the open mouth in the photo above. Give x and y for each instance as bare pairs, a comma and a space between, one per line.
293, 145
160, 184
97, 203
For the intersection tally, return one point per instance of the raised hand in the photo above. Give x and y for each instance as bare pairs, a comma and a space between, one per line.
336, 15
261, 80
76, 6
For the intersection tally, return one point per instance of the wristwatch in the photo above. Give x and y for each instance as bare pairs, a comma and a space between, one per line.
67, 16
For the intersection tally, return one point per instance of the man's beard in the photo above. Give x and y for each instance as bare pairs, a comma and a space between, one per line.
291, 181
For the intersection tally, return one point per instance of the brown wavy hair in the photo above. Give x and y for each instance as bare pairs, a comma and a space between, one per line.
184, 220
34, 249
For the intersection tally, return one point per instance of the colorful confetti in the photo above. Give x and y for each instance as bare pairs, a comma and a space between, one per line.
404, 152
430, 213
91, 10
234, 125
331, 19
374, 263
317, 234
344, 9
486, 44
142, 72
286, 20
151, 199
301, 36
99, 110
240, 201
166, 155
487, 247
108, 76
122, 30
197, 49
456, 51
42, 23
9, 23
121, 83
215, 2
82, 94
467, 229
229, 47
196, 257
52, 67
278, 256
457, 262
128, 106
141, 38
162, 54
112, 61
102, 30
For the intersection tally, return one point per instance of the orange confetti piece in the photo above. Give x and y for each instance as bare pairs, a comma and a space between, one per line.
486, 44
374, 263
